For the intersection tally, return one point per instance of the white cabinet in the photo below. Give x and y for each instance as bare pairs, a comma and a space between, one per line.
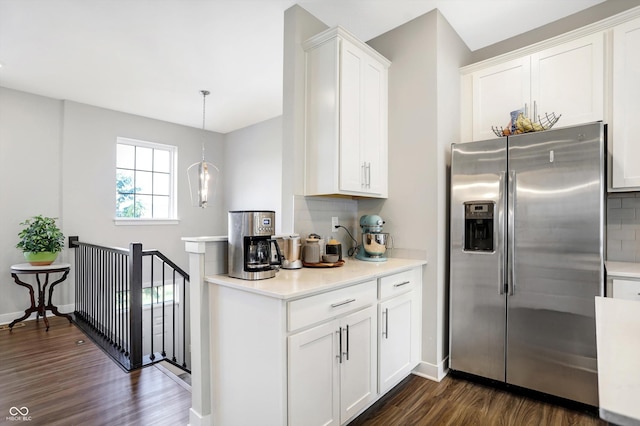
332, 370
359, 362
303, 348
399, 327
569, 79
345, 117
626, 289
566, 79
395, 340
314, 377
625, 167
497, 91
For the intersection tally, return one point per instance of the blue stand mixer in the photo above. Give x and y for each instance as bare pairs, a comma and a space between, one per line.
374, 242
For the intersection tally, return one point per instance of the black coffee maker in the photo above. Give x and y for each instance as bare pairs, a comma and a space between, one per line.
253, 253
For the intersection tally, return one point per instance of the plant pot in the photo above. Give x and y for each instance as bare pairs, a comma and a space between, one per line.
42, 258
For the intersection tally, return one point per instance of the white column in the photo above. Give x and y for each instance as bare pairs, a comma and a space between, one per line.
200, 412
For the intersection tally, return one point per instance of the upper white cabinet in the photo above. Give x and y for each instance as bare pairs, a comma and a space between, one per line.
565, 79
625, 166
498, 90
569, 80
345, 117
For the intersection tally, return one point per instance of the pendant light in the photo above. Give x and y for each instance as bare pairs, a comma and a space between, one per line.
203, 175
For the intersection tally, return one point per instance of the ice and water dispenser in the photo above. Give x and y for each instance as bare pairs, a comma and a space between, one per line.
478, 226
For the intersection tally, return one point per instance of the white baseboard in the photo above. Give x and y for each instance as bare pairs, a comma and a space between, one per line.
432, 371
8, 318
196, 419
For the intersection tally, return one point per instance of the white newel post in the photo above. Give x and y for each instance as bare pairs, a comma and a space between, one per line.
207, 256
200, 412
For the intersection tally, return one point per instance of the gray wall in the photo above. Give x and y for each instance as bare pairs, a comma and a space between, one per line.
299, 25
588, 16
57, 158
424, 93
254, 169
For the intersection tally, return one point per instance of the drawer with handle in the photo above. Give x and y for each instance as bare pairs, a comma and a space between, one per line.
397, 283
318, 308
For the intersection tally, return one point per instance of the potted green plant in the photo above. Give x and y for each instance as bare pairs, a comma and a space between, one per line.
41, 240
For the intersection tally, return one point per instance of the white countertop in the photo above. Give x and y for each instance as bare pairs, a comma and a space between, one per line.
209, 239
294, 283
623, 269
618, 337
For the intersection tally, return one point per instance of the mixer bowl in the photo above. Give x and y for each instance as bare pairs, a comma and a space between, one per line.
375, 244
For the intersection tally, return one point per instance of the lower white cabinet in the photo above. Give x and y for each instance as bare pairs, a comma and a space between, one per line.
395, 340
399, 317
314, 378
320, 359
626, 289
332, 370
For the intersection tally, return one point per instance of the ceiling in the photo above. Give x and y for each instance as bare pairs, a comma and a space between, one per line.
152, 57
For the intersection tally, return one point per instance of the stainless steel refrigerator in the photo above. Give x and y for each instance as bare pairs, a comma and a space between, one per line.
527, 259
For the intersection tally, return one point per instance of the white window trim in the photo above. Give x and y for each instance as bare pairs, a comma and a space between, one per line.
127, 221
173, 207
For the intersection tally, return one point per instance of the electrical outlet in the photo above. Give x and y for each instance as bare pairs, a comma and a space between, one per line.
334, 223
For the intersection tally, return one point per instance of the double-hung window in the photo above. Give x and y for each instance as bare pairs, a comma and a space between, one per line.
145, 181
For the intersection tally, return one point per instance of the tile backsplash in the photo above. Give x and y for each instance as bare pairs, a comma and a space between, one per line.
313, 215
623, 227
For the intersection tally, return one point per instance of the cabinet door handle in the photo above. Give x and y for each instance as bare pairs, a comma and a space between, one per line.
385, 333
402, 283
339, 333
535, 111
363, 176
368, 175
347, 353
346, 302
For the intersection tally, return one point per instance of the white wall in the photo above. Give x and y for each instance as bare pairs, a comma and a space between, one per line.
254, 169
57, 158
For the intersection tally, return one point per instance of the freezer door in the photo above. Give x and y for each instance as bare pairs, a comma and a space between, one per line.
555, 253
477, 299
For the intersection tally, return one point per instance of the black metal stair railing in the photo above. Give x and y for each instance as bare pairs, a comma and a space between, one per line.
132, 303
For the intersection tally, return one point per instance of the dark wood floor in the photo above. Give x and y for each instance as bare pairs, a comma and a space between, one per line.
458, 402
65, 383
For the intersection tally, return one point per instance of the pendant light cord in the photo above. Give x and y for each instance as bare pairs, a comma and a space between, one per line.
204, 106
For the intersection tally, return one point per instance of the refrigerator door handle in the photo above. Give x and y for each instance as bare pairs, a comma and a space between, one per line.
501, 233
511, 200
